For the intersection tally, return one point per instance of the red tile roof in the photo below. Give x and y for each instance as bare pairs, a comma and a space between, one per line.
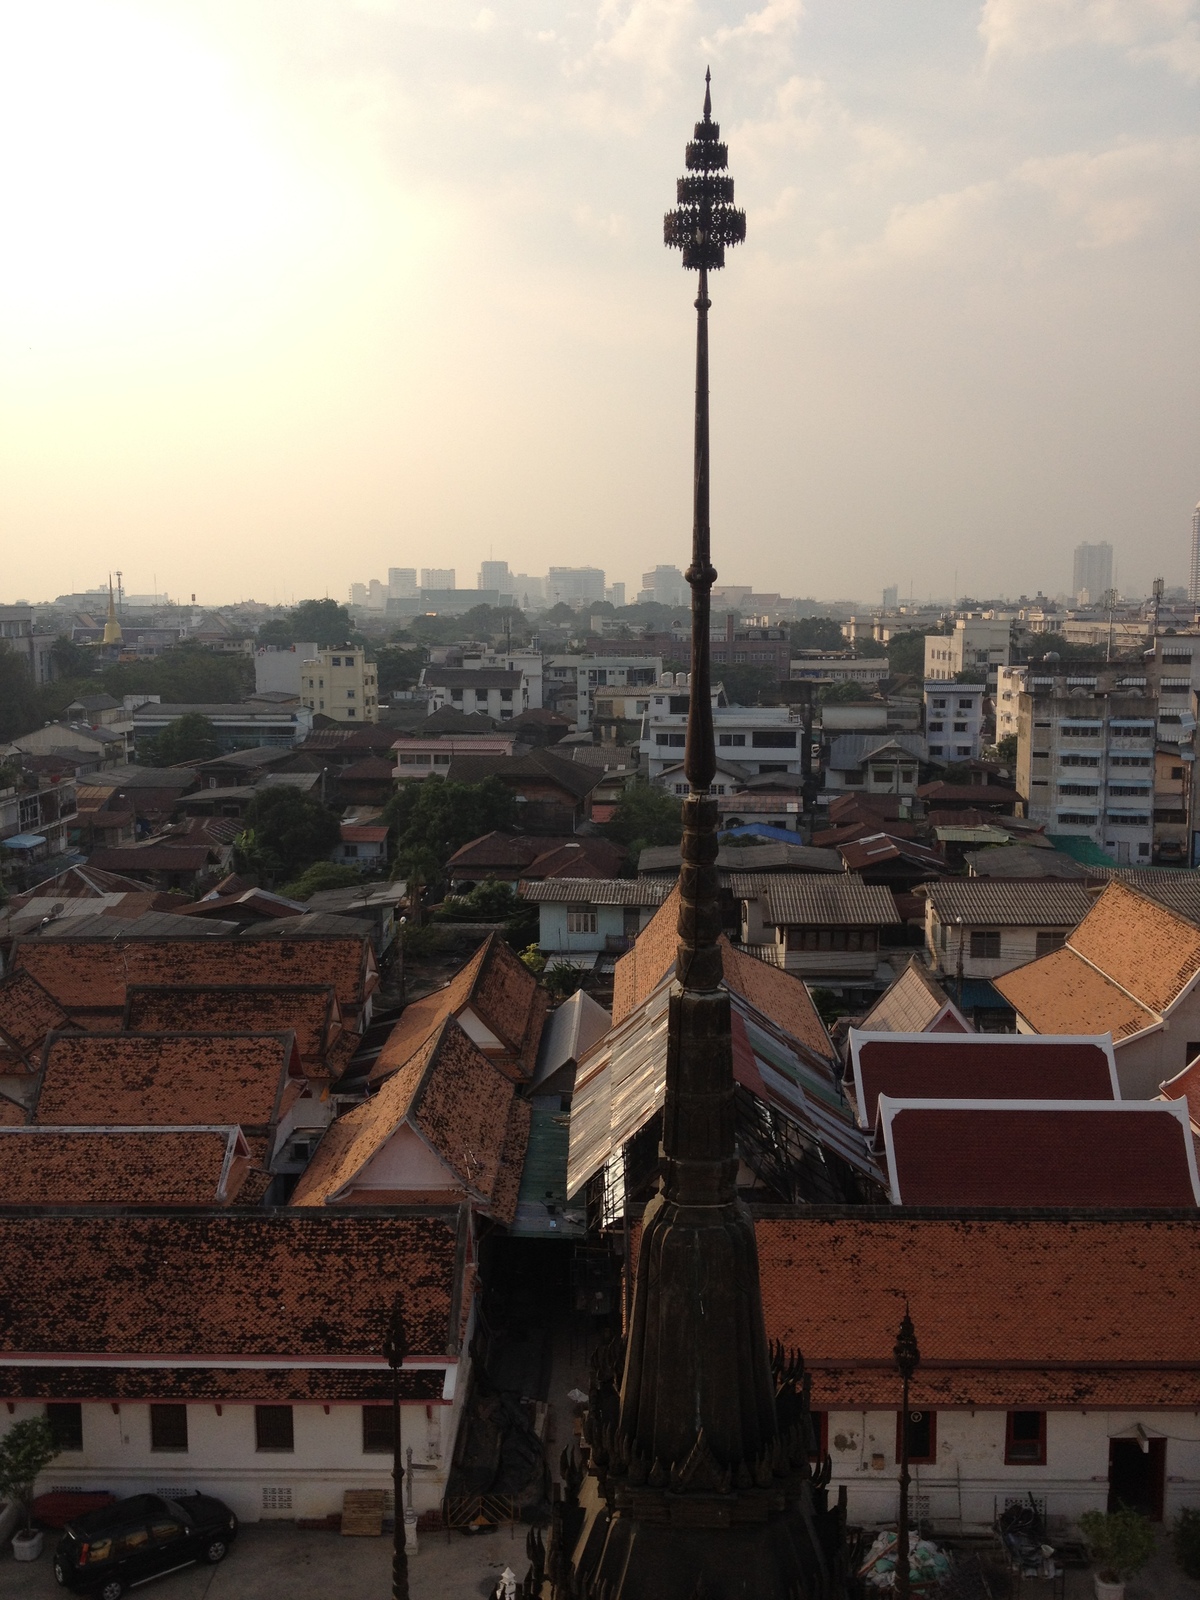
27, 1014
1186, 1086
498, 989
1063, 1311
977, 1066
154, 858
92, 974
310, 1010
247, 1385
122, 1166
168, 1078
987, 1153
294, 1284
458, 1103
363, 833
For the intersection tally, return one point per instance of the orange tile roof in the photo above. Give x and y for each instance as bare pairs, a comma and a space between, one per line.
1185, 1085
640, 970
311, 1011
126, 1079
1061, 993
90, 974
460, 1105
307, 1285
1146, 949
28, 1012
499, 989
1009, 1311
125, 1166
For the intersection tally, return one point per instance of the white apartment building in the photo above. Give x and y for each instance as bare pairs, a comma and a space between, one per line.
978, 644
614, 593
527, 662
342, 684
488, 692
953, 720
438, 578
757, 738
495, 575
574, 585
1010, 686
1086, 738
636, 673
402, 583
812, 667
278, 668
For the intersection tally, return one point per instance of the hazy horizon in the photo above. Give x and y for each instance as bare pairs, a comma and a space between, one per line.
295, 293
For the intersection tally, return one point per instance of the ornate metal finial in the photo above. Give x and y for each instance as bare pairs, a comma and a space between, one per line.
906, 1354
706, 220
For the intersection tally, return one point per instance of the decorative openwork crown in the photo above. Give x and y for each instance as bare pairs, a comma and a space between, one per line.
706, 220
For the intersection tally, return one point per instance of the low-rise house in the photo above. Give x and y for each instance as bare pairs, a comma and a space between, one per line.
490, 692
235, 727
275, 1387
982, 927
509, 857
915, 1003
1132, 967
554, 793
821, 927
885, 858
496, 1001
363, 845
976, 1066
101, 747
368, 781
418, 758
446, 1127
1054, 1153
1034, 1380
758, 738
99, 1165
728, 782
36, 814
375, 905
618, 679
992, 798
1029, 860
167, 865
745, 857
876, 764
580, 918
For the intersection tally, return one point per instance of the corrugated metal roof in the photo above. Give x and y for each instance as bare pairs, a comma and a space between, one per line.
596, 891
850, 750
765, 857
826, 901
1044, 903
542, 1198
911, 1003
570, 1032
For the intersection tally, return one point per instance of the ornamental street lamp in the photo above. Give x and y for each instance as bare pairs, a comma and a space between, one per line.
395, 1348
907, 1358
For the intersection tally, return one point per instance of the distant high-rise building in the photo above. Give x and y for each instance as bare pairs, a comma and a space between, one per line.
402, 583
358, 595
1194, 579
1093, 571
614, 593
528, 592
438, 578
891, 597
574, 585
495, 575
666, 586
377, 595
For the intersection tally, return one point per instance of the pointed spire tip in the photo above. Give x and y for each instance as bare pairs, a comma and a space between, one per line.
707, 94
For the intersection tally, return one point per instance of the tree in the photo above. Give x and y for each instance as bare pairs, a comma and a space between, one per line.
869, 650
26, 1450
749, 686
1006, 750
321, 875
906, 654
71, 660
431, 819
817, 633
19, 709
190, 737
398, 668
645, 815
321, 621
561, 612
286, 832
186, 674
845, 691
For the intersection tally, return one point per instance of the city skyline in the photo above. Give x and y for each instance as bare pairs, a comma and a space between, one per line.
267, 345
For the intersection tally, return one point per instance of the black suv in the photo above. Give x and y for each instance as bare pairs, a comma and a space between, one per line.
131, 1541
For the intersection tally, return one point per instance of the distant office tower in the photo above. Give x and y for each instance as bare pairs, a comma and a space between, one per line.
495, 575
891, 597
528, 592
377, 595
438, 578
665, 585
358, 595
402, 583
574, 585
615, 594
1093, 571
1194, 581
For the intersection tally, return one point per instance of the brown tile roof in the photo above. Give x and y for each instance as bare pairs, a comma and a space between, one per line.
27, 1014
371, 769
122, 1166
499, 990
1063, 1311
294, 1284
537, 855
640, 970
452, 1096
280, 1385
1148, 950
310, 1010
154, 858
976, 1066
1060, 993
92, 974
992, 1154
1185, 1085
168, 1078
12, 1112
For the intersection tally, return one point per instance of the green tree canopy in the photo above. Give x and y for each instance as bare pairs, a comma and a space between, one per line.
19, 706
324, 621
906, 653
844, 692
1006, 750
817, 633
71, 660
186, 674
399, 667
431, 819
749, 686
26, 1450
286, 832
191, 737
321, 875
645, 815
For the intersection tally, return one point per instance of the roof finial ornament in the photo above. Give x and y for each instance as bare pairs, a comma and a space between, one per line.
707, 95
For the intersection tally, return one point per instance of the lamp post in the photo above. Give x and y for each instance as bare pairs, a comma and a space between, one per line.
395, 1348
907, 1358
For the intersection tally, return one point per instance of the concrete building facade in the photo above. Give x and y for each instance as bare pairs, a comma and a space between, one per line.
341, 683
954, 720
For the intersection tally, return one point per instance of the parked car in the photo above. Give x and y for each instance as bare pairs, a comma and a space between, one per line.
108, 1551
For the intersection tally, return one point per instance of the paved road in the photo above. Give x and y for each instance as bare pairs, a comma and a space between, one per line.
270, 1561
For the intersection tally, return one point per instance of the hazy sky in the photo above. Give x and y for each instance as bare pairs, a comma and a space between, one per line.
295, 290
